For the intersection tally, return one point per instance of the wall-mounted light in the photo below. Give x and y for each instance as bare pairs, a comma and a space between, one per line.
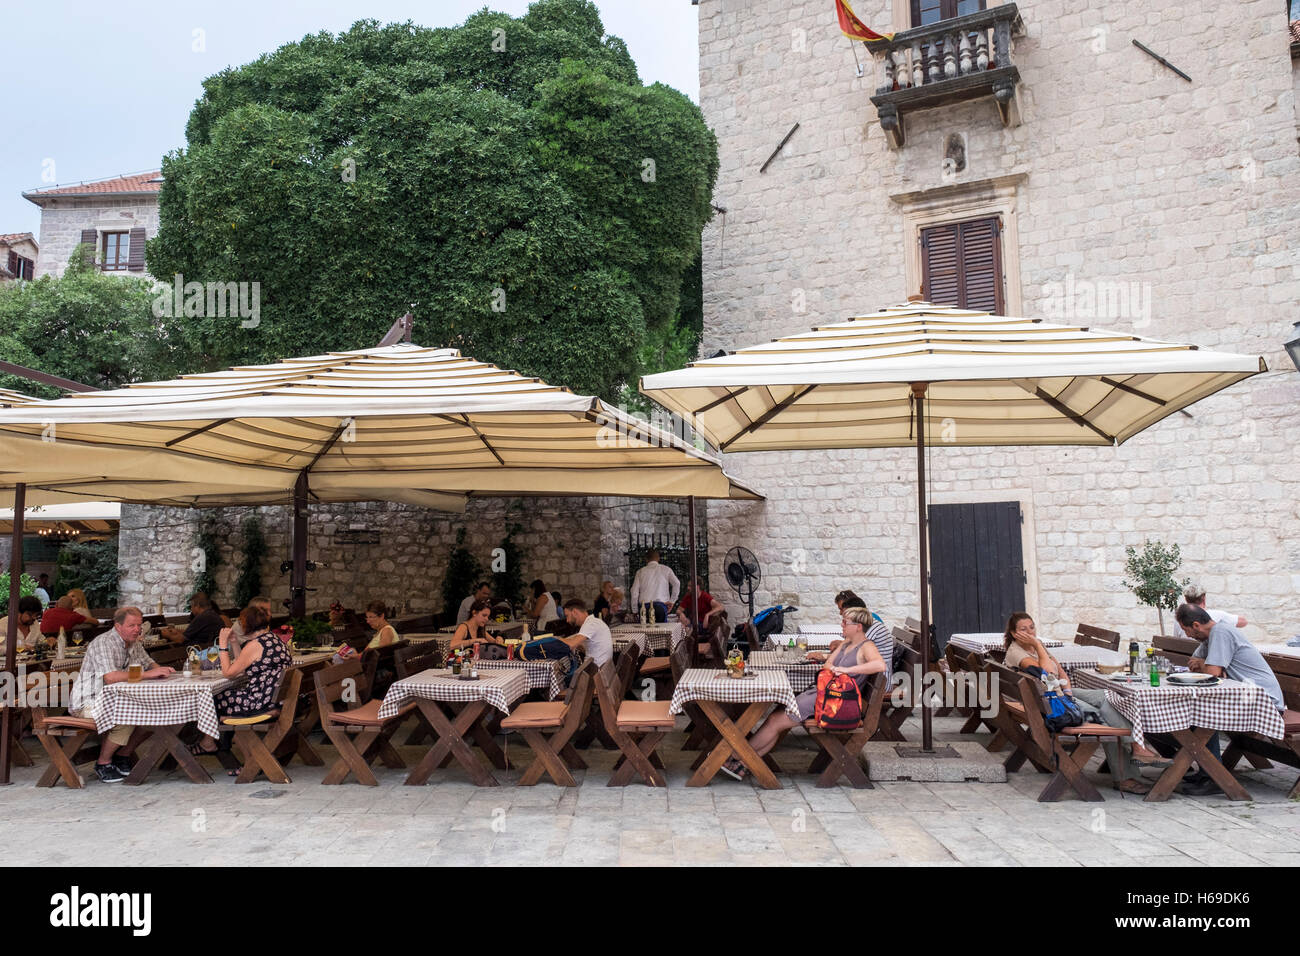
1293, 347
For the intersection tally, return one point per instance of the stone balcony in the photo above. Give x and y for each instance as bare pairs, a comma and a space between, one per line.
948, 62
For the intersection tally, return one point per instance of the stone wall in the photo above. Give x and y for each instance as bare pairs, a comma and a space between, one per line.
63, 219
570, 543
1124, 172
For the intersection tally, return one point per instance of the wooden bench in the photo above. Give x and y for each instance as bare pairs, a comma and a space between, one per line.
258, 735
50, 729
1284, 751
373, 736
1087, 635
893, 715
636, 727
841, 750
547, 728
1177, 650
1063, 754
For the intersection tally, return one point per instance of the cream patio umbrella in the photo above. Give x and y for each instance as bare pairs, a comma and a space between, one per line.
989, 379
397, 422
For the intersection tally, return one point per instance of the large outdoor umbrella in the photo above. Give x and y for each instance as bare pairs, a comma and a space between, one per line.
397, 422
989, 379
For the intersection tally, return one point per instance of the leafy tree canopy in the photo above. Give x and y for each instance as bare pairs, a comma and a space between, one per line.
510, 180
87, 326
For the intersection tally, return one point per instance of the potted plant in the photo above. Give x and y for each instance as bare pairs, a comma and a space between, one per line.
1150, 576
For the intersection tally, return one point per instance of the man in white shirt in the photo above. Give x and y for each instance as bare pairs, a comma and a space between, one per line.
482, 592
29, 623
593, 633
655, 585
1195, 596
43, 591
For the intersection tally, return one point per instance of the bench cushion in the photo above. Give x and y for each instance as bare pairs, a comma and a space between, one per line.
1291, 719
810, 725
656, 665
65, 723
1095, 730
645, 713
251, 718
533, 714
367, 715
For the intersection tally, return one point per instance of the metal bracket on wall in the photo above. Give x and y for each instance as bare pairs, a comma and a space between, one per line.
1161, 60
779, 147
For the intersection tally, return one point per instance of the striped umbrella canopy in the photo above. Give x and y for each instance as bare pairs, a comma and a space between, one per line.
889, 378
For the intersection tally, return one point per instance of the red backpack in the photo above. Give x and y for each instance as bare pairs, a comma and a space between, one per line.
839, 702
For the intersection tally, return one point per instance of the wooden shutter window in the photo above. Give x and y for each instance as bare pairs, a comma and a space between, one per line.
961, 265
89, 240
135, 254
13, 265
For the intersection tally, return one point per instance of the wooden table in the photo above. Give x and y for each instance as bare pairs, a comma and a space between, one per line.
431, 690
802, 674
990, 641
1192, 715
165, 706
711, 690
658, 637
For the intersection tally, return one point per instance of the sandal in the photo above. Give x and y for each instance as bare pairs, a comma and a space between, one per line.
1129, 785
197, 750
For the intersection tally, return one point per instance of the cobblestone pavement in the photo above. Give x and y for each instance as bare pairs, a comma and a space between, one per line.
171, 821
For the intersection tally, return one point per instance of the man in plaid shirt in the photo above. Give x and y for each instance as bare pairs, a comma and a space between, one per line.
106, 662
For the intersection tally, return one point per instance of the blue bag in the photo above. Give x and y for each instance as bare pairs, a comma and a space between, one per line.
545, 649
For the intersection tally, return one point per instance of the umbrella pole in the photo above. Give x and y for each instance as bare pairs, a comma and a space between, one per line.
695, 582
11, 630
923, 536
298, 576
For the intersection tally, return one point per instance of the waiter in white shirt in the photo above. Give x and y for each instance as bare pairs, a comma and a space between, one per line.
1195, 596
655, 585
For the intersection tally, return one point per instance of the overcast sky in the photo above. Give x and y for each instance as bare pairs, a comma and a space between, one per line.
105, 89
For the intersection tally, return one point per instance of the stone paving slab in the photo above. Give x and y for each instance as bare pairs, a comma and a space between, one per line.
450, 822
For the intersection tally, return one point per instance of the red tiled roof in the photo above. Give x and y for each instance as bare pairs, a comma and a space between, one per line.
1295, 31
139, 183
12, 237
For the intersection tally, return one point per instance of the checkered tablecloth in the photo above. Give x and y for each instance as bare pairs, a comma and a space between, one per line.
659, 637
700, 684
1082, 657
639, 638
1228, 705
549, 676
983, 643
159, 703
499, 688
837, 629
801, 675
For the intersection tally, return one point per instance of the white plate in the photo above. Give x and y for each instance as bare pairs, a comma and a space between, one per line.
1191, 678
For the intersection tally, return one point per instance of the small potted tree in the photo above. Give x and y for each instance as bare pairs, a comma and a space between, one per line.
1150, 576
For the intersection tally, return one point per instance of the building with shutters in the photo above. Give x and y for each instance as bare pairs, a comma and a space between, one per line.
1026, 158
113, 217
18, 251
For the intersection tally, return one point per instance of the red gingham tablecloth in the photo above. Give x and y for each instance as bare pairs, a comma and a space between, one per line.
801, 675
159, 703
549, 676
1228, 705
499, 688
700, 684
659, 637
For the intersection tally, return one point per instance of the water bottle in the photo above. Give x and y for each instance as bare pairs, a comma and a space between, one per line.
1132, 657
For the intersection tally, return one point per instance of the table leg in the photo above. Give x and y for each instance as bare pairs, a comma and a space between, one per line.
734, 742
164, 740
451, 740
1194, 740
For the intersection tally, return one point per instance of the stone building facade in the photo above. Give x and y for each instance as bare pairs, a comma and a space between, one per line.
391, 552
1127, 198
121, 212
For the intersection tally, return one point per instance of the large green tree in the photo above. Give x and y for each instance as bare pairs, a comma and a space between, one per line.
87, 326
510, 180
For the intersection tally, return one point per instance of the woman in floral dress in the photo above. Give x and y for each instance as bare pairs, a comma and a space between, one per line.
261, 660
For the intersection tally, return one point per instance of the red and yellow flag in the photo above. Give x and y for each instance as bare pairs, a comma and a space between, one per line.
855, 29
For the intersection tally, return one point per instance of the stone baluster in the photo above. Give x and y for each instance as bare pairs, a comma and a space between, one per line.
965, 53
981, 51
901, 73
886, 74
936, 58
950, 56
918, 65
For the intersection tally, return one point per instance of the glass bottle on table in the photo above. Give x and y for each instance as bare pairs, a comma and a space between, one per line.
1153, 671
